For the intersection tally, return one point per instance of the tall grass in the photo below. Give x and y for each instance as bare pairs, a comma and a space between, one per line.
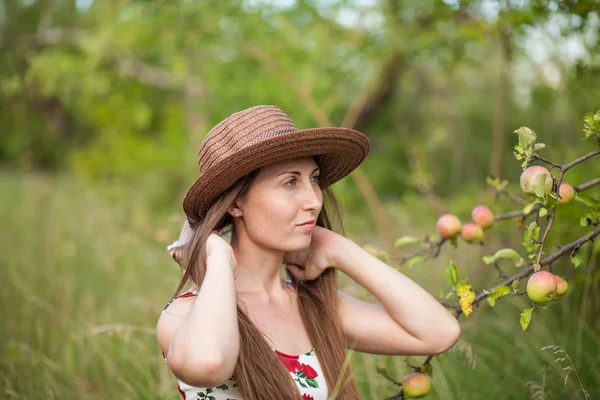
84, 275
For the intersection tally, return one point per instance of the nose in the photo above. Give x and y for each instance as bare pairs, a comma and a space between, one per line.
312, 198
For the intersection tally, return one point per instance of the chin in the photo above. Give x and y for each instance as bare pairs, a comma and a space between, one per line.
299, 244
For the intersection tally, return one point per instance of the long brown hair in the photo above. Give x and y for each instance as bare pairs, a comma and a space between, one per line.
258, 372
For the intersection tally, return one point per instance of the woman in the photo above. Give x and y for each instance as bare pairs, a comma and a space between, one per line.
242, 331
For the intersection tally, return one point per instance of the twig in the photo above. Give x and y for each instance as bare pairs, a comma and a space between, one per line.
548, 260
542, 159
587, 185
579, 160
381, 372
563, 168
501, 273
433, 248
512, 196
548, 227
516, 213
448, 305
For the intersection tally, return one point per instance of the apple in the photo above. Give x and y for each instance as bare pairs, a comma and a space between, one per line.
448, 226
528, 177
482, 216
541, 287
471, 232
566, 193
561, 287
416, 385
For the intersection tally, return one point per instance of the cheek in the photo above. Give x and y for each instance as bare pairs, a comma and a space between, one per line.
276, 214
272, 223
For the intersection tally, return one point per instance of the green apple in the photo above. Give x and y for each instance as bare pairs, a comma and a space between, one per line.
416, 385
541, 287
528, 177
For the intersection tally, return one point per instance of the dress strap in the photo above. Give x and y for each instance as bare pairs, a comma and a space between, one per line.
189, 293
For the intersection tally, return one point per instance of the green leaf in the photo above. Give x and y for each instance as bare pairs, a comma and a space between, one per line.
515, 284
451, 273
496, 294
404, 240
588, 201
526, 136
591, 124
495, 182
500, 291
543, 211
527, 209
538, 146
539, 183
526, 318
576, 260
505, 253
312, 383
414, 260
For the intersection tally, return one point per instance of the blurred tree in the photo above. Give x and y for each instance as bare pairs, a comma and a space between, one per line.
117, 88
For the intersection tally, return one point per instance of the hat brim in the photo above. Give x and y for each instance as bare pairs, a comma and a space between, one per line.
339, 151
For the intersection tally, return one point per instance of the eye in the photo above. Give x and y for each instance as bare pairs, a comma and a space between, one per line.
316, 178
293, 180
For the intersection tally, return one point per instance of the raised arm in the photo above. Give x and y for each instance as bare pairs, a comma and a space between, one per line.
409, 321
200, 335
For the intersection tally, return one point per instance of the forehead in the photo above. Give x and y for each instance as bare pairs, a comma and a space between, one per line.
301, 164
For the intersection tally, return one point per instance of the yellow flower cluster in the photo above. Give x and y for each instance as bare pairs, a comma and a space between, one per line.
465, 296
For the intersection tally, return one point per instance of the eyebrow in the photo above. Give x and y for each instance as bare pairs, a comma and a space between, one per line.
295, 172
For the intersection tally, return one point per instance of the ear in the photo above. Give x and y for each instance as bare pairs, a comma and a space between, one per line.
236, 207
234, 211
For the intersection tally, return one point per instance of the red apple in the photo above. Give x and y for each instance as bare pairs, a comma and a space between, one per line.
471, 232
528, 177
566, 193
448, 226
416, 385
541, 287
561, 287
482, 216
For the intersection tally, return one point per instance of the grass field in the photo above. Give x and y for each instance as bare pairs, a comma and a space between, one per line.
84, 275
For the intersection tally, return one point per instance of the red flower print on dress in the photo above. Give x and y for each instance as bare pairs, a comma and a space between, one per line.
291, 363
308, 371
307, 397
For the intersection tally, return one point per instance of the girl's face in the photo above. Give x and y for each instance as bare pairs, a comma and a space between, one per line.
282, 196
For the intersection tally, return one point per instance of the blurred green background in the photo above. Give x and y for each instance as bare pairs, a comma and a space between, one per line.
103, 105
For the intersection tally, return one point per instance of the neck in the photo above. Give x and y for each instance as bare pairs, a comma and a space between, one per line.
258, 271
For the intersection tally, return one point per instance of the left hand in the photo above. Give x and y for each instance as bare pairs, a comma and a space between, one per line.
308, 264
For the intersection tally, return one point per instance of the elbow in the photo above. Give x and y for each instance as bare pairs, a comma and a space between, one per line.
202, 373
451, 335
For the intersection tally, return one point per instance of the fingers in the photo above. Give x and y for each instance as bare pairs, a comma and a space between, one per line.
298, 272
176, 254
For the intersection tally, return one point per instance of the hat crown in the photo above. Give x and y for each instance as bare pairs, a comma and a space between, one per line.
240, 130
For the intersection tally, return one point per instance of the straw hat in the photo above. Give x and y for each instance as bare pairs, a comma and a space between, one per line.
261, 135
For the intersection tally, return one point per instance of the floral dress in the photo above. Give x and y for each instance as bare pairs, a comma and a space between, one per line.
304, 368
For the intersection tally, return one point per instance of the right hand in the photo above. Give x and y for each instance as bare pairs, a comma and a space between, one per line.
217, 245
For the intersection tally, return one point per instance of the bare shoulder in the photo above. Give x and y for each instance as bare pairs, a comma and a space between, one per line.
170, 319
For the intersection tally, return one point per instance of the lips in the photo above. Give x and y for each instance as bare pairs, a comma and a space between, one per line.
311, 222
